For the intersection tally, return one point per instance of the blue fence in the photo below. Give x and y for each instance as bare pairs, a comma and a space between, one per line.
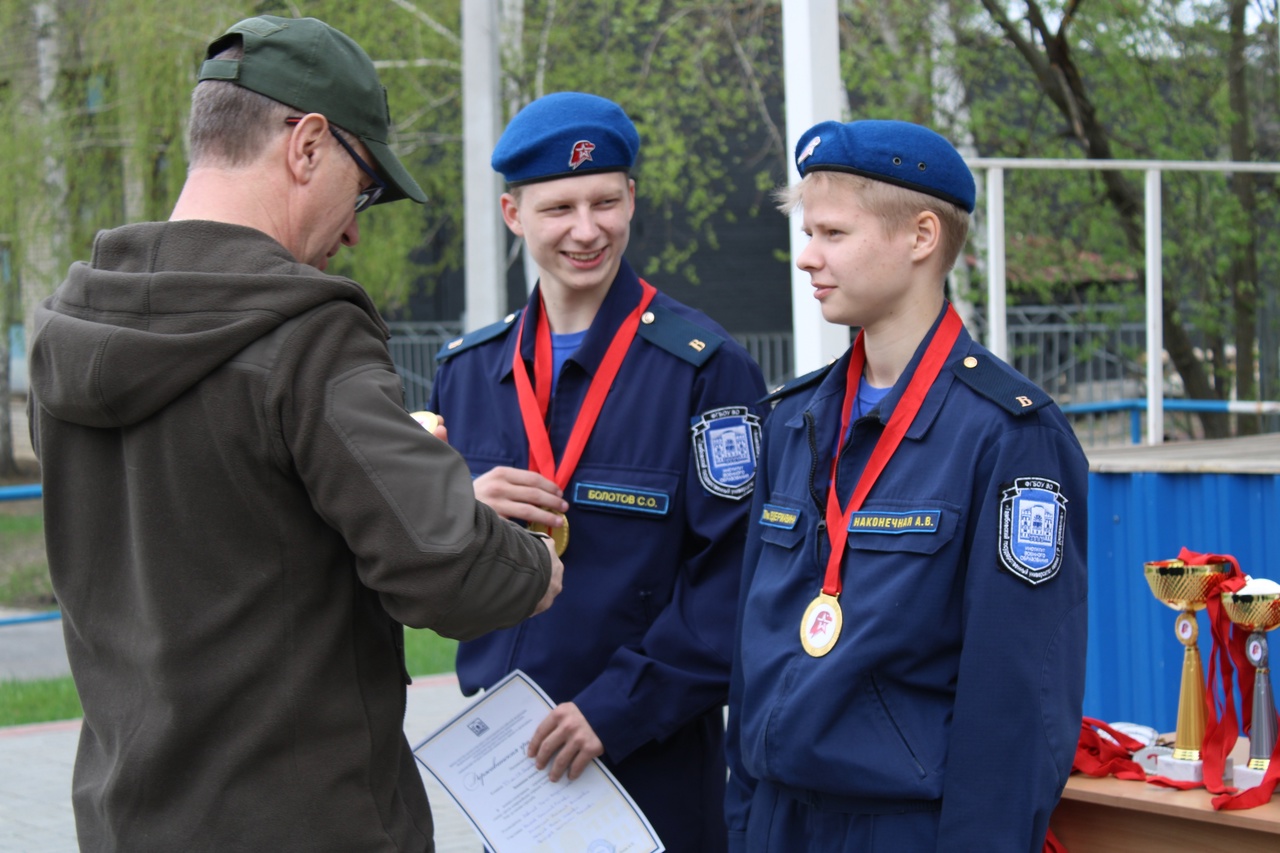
1134, 661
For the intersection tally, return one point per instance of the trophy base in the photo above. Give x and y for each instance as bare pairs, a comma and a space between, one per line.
1246, 778
1182, 770
1148, 757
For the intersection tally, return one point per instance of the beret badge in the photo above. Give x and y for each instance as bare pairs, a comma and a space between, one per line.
581, 153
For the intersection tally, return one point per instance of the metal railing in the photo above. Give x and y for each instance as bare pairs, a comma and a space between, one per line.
1135, 407
413, 350
414, 347
20, 493
1152, 171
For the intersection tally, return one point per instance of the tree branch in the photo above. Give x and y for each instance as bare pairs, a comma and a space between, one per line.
431, 22
757, 96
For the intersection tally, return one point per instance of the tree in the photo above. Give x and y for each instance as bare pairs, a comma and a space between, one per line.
1108, 79
96, 94
1115, 72
701, 81
99, 94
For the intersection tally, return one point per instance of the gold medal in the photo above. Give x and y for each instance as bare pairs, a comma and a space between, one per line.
429, 420
559, 535
820, 627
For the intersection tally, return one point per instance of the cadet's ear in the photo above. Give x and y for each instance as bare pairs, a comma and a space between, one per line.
511, 213
927, 235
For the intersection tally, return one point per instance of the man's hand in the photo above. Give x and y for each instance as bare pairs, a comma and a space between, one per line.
557, 578
567, 736
522, 495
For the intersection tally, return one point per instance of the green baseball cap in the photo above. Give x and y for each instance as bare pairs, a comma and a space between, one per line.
310, 66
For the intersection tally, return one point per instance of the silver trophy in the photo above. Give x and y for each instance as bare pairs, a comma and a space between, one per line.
1256, 608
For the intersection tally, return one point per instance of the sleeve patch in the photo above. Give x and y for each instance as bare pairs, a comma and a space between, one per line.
1033, 527
726, 445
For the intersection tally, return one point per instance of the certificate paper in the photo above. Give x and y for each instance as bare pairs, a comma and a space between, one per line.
479, 758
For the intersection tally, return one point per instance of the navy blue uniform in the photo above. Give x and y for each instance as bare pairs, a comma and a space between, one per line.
641, 637
946, 715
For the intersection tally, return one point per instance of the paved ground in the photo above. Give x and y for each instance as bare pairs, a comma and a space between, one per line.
18, 424
36, 763
30, 649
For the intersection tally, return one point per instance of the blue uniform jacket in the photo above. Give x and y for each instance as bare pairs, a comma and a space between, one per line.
641, 637
959, 674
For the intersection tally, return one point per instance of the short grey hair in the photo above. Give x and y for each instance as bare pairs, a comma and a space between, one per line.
231, 125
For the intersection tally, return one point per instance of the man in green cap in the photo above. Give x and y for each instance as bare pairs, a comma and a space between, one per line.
240, 513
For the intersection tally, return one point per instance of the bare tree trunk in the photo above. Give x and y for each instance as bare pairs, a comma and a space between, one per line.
8, 465
1062, 83
1243, 272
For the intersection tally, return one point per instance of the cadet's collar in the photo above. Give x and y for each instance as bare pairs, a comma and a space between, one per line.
620, 301
833, 385
933, 402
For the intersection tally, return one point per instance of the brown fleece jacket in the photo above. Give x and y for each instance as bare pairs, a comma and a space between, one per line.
240, 515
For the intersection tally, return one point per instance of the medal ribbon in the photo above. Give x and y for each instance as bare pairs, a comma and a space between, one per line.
903, 414
535, 403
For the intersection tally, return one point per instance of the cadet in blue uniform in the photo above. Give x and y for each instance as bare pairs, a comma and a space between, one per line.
645, 478
921, 689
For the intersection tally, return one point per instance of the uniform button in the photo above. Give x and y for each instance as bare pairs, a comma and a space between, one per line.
970, 362
508, 318
647, 317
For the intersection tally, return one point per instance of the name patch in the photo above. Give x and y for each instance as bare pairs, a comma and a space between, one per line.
726, 444
1033, 527
621, 497
779, 516
912, 521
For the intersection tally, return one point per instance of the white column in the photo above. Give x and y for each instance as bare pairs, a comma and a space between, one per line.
997, 331
814, 93
485, 234
1155, 311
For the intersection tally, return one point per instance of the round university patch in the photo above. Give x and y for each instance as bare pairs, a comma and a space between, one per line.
1033, 525
726, 444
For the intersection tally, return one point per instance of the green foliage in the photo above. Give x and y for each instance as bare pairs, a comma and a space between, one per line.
703, 81
1151, 81
696, 79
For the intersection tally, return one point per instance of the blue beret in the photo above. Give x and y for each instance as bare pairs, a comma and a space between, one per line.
563, 134
896, 152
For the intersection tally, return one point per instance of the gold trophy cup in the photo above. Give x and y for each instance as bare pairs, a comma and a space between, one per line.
1256, 608
1185, 588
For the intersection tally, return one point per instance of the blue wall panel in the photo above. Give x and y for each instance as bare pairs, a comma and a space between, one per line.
1134, 663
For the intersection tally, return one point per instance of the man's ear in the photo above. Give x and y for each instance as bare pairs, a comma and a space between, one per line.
927, 235
511, 214
305, 148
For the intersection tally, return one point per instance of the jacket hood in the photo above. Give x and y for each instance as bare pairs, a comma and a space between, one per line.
159, 307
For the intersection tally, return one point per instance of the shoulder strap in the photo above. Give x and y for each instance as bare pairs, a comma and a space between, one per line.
683, 338
479, 336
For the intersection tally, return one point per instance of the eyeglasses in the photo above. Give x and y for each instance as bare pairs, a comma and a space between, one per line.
368, 196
